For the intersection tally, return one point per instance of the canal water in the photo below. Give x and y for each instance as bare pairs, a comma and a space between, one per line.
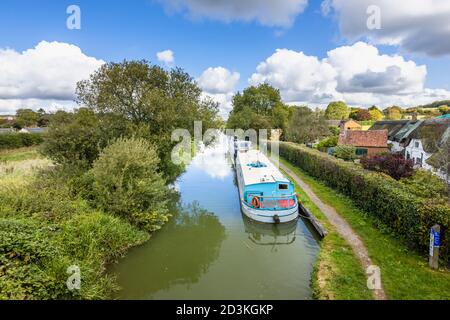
209, 250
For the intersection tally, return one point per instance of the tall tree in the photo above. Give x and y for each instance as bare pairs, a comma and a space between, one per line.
306, 126
257, 108
26, 118
152, 99
337, 111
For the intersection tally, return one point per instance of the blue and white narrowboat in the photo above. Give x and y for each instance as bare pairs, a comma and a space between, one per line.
265, 193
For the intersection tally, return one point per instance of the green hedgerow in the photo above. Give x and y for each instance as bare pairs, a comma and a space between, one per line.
391, 202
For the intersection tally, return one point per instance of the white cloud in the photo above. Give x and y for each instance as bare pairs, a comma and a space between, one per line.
45, 75
281, 13
357, 74
166, 56
219, 83
421, 26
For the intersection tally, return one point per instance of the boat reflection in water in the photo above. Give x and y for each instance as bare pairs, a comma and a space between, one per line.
264, 234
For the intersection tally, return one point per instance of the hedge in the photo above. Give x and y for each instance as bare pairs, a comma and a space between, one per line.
19, 140
389, 201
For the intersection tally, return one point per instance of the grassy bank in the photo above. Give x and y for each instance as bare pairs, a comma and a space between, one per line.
405, 274
45, 228
337, 274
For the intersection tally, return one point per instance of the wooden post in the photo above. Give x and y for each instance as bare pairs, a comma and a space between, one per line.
435, 242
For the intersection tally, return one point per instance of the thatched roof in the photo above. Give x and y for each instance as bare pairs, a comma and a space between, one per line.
392, 126
433, 133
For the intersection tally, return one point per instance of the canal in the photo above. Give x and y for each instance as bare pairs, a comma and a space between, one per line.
209, 250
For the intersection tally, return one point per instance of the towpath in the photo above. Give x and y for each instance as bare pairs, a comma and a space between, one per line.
341, 226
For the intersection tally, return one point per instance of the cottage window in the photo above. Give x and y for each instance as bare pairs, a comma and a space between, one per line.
361, 151
417, 144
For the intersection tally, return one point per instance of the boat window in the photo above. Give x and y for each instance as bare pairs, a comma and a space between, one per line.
283, 186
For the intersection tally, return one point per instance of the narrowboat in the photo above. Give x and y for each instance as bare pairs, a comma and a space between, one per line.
265, 193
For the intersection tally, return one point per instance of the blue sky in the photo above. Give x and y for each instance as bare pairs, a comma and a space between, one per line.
115, 30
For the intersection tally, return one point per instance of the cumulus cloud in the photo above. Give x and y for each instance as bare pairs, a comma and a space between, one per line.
44, 75
166, 57
421, 26
280, 13
219, 83
357, 74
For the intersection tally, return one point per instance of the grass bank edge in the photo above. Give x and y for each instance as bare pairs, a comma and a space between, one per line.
405, 273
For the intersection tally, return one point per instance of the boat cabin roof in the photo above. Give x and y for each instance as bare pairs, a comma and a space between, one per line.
257, 168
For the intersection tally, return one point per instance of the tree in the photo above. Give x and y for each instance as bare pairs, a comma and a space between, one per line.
337, 111
257, 108
155, 101
376, 115
74, 139
444, 110
260, 99
360, 115
43, 118
393, 113
26, 118
391, 164
306, 126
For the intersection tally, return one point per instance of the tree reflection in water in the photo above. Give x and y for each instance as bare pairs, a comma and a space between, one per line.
179, 254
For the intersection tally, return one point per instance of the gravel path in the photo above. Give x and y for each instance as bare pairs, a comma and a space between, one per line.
341, 226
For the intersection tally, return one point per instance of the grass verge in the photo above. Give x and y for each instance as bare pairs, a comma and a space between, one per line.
338, 274
405, 274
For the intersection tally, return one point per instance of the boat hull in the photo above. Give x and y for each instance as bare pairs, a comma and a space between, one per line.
269, 216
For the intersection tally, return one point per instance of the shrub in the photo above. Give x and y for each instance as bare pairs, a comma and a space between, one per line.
389, 201
347, 153
329, 142
74, 139
19, 140
44, 230
391, 164
127, 183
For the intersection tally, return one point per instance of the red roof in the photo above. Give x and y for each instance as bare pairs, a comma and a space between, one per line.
358, 138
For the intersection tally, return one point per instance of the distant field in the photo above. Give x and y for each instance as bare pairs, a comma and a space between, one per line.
21, 154
17, 166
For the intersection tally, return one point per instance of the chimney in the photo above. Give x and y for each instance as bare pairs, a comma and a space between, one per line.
414, 116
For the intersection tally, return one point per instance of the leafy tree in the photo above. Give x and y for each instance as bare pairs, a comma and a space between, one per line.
391, 164
154, 100
257, 108
444, 110
376, 115
74, 138
260, 99
126, 182
360, 115
393, 113
337, 111
26, 118
43, 118
306, 126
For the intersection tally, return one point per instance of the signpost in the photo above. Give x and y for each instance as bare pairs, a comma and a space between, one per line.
435, 243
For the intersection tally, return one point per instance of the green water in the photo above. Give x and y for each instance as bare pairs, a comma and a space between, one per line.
209, 250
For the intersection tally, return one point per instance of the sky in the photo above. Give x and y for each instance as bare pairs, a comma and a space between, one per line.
363, 52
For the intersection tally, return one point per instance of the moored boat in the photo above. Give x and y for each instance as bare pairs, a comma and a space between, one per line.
266, 195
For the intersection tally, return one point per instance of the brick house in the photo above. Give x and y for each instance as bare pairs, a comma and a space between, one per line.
365, 142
